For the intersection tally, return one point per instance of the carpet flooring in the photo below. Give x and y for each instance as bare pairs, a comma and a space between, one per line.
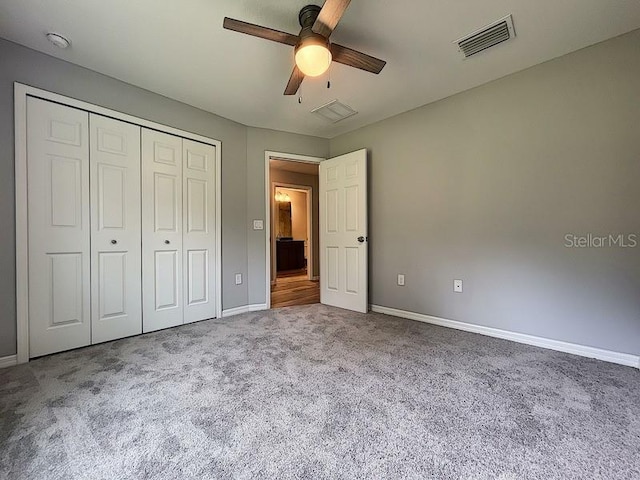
317, 392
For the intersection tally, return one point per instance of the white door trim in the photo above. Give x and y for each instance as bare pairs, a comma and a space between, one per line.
269, 155
309, 199
21, 92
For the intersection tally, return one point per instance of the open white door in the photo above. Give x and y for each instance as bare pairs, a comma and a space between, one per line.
343, 232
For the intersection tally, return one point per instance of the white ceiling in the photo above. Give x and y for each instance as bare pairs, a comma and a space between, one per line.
179, 49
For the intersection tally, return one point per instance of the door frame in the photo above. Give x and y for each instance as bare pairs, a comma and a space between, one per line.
268, 156
21, 93
308, 190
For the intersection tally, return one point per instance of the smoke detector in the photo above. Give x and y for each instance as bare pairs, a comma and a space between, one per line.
58, 40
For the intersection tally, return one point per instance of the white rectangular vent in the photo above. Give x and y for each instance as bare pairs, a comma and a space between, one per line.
487, 37
334, 111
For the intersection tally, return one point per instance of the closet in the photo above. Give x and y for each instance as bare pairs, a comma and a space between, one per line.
121, 228
177, 230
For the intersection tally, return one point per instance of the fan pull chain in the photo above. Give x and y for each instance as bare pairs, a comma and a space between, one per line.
300, 94
329, 79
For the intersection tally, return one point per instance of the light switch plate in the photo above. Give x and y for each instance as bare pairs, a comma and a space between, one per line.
238, 279
258, 225
401, 279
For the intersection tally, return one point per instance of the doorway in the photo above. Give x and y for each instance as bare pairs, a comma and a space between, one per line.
293, 227
292, 221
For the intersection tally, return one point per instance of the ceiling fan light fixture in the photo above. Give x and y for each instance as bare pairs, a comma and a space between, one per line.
313, 55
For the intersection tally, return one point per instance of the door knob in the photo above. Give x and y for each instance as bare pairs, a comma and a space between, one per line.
361, 239
113, 242
167, 242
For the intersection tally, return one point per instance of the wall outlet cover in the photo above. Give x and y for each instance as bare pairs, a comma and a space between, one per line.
258, 225
457, 286
401, 279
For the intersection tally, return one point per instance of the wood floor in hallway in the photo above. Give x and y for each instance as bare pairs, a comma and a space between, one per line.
294, 290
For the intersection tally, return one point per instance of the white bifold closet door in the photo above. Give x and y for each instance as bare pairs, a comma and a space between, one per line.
59, 228
121, 227
178, 234
198, 238
161, 230
116, 297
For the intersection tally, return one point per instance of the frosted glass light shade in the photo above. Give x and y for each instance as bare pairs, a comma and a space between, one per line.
313, 59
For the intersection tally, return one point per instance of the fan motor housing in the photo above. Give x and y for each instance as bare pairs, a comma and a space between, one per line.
308, 15
309, 37
307, 18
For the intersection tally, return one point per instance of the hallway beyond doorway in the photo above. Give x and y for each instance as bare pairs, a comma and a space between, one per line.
294, 288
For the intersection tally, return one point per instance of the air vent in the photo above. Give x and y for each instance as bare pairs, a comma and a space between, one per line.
487, 37
334, 111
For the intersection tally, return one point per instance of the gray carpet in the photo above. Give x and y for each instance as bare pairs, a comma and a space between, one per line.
317, 392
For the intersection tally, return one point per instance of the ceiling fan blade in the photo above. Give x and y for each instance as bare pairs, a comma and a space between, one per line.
329, 16
294, 82
353, 58
261, 32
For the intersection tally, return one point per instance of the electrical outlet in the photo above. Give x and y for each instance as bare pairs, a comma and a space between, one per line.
457, 286
258, 225
238, 279
401, 279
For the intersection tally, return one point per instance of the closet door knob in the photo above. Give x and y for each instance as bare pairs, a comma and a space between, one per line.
113, 242
167, 242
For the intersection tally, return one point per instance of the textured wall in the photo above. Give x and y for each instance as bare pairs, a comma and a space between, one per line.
20, 64
481, 186
484, 186
32, 68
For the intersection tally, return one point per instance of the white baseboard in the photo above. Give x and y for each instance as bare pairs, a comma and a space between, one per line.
230, 312
244, 309
581, 350
8, 361
256, 307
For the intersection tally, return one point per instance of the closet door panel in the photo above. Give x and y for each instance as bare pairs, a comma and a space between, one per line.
162, 261
59, 230
116, 299
199, 230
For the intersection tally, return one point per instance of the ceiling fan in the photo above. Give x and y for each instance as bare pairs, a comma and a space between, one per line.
313, 50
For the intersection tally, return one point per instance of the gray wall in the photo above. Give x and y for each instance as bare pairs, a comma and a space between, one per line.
260, 140
294, 178
484, 185
36, 69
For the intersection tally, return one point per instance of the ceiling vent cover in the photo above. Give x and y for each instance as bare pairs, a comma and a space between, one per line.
487, 37
334, 111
